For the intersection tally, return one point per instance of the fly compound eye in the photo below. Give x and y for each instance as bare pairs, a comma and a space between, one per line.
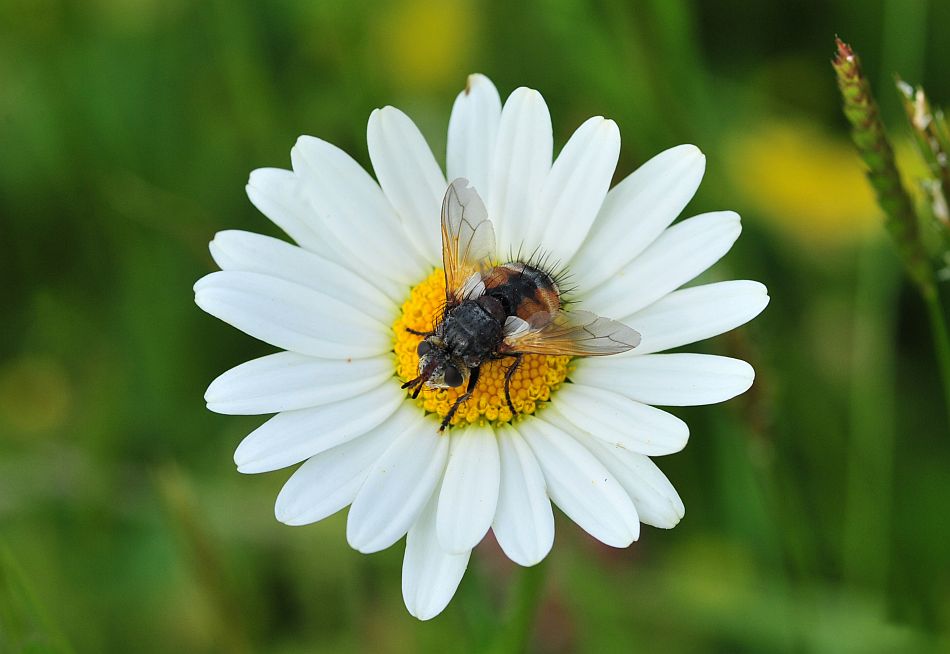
452, 377
424, 348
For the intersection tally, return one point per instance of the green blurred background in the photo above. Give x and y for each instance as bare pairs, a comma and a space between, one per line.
816, 504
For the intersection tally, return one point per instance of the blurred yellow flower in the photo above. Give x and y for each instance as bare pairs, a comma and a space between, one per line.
426, 44
809, 184
135, 16
35, 394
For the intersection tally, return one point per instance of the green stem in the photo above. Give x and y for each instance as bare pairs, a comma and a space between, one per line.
869, 472
938, 325
523, 606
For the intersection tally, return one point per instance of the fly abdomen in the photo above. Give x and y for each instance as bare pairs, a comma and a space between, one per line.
523, 290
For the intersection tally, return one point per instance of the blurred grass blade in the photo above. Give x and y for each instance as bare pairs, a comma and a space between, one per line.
24, 626
204, 555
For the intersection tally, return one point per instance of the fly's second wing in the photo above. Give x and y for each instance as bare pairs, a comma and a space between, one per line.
468, 241
570, 333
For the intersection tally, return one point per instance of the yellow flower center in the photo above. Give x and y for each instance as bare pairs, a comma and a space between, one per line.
532, 384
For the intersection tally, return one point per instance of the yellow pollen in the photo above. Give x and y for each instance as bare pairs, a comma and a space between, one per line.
532, 384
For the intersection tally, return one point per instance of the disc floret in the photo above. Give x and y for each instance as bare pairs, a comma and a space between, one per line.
531, 386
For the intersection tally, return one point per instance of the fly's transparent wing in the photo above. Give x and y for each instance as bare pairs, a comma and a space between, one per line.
571, 333
468, 238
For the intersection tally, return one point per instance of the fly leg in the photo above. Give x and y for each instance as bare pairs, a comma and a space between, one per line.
472, 380
420, 381
508, 375
417, 332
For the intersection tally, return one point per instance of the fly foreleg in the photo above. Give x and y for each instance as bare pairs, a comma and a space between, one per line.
472, 381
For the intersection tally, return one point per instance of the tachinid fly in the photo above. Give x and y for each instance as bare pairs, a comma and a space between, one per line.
499, 312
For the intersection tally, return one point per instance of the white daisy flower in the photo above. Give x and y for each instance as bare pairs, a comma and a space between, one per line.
367, 268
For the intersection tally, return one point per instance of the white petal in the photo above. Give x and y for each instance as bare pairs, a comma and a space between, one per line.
618, 420
397, 488
580, 484
693, 314
328, 481
575, 189
291, 316
668, 379
286, 381
430, 576
658, 504
237, 250
521, 164
524, 521
470, 489
279, 195
636, 212
473, 128
410, 177
293, 436
352, 207
681, 253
